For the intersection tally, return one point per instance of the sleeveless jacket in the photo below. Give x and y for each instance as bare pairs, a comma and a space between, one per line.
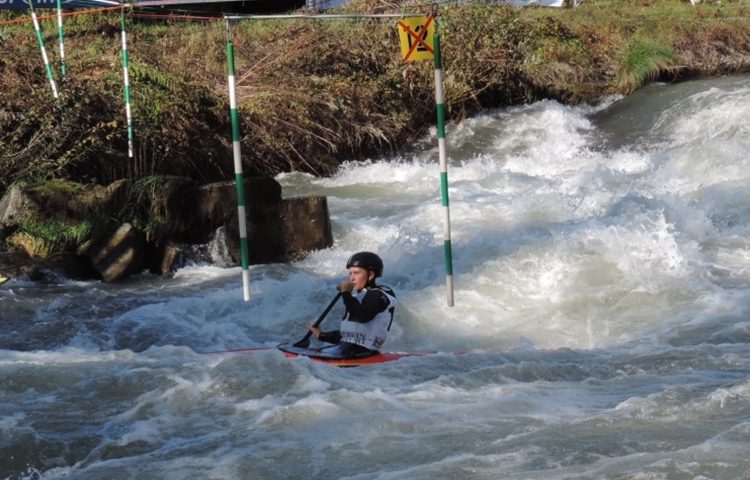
370, 334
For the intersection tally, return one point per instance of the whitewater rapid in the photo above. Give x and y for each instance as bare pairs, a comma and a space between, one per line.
602, 292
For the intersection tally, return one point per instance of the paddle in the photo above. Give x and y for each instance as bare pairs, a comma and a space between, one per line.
305, 342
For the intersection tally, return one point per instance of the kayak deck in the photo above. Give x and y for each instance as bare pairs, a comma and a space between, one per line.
322, 356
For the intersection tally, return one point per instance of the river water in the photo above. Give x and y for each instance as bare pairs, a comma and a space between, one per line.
602, 273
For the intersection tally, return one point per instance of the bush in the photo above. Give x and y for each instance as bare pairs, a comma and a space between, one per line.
315, 93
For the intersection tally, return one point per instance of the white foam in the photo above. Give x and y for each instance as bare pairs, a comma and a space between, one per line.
634, 258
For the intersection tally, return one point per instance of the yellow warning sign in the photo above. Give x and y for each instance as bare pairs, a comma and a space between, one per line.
416, 35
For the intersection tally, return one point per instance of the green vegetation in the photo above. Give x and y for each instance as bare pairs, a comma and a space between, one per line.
315, 93
43, 238
644, 61
146, 208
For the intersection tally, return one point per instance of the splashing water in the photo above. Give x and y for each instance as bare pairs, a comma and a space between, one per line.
602, 274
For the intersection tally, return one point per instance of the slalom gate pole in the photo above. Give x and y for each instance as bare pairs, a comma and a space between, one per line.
440, 109
126, 88
63, 68
40, 40
237, 153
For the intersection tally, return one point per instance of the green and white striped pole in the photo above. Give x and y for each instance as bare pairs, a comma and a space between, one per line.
40, 39
63, 68
440, 108
238, 175
126, 82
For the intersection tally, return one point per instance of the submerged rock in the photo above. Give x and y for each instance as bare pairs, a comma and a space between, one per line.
305, 224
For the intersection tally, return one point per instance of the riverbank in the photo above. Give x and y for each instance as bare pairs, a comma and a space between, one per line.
315, 93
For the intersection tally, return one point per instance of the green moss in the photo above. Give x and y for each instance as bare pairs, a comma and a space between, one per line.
55, 187
42, 238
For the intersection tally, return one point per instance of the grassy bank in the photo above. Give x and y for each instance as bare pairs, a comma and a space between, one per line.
315, 93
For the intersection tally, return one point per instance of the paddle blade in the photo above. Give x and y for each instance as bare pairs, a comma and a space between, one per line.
305, 342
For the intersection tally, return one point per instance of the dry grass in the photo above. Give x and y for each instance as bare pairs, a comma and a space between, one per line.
315, 93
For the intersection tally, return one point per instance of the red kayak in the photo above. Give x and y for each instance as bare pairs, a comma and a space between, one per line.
322, 356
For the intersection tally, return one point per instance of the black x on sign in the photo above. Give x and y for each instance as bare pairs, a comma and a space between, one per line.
416, 35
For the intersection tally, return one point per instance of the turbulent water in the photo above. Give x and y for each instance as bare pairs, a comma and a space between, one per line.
602, 297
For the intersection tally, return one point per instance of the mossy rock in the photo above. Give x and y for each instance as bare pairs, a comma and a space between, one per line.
55, 216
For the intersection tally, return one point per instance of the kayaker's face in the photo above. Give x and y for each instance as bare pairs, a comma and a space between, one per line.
360, 277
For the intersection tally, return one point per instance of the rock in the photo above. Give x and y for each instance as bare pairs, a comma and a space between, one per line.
59, 200
277, 230
165, 258
306, 225
208, 208
12, 264
14, 206
67, 265
118, 255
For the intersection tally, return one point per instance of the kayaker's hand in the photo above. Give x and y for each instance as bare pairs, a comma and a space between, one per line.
345, 286
315, 331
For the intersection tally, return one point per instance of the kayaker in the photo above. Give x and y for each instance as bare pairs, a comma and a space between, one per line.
369, 309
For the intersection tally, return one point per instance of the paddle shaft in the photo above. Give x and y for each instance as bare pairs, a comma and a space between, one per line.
306, 340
